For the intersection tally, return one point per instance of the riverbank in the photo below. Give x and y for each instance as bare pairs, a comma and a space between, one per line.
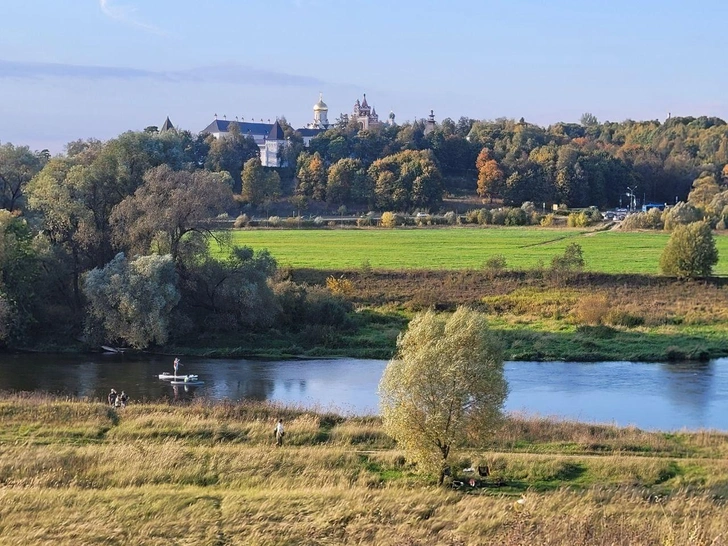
538, 314
78, 472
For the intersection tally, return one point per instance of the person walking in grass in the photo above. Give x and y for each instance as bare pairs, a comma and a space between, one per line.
278, 431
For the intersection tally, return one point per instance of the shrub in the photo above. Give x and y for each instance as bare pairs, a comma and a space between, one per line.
681, 214
389, 219
319, 221
549, 220
577, 219
594, 215
652, 219
302, 306
495, 263
484, 217
471, 217
516, 217
498, 217
364, 221
451, 218
241, 221
322, 307
339, 287
528, 207
274, 221
690, 252
591, 309
297, 221
571, 259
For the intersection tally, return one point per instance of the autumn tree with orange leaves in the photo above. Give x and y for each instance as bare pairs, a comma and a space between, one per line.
490, 175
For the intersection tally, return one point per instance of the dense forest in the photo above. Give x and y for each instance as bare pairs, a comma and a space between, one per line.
579, 165
109, 241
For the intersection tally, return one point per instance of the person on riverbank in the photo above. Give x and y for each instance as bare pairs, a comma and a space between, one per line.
122, 399
278, 431
112, 398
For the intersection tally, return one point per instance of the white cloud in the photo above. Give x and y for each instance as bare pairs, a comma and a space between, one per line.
127, 15
228, 73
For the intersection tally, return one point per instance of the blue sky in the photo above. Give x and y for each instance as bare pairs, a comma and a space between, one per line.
74, 69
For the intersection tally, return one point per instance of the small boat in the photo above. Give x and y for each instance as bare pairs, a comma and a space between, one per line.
115, 350
188, 382
170, 376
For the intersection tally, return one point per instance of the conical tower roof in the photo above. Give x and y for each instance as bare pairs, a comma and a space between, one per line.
276, 132
167, 126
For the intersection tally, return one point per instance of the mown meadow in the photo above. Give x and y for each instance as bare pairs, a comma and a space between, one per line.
610, 251
78, 472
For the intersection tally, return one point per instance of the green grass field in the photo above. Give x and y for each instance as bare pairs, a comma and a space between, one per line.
462, 248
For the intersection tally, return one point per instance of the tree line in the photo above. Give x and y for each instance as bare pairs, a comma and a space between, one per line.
110, 243
578, 165
126, 203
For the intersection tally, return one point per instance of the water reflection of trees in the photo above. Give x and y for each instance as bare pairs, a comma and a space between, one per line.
691, 386
244, 380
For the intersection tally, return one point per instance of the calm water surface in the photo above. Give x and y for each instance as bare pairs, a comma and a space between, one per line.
649, 395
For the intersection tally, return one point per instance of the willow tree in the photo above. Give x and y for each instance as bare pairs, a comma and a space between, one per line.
690, 252
444, 388
131, 301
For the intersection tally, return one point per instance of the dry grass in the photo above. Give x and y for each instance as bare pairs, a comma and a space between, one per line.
209, 474
659, 300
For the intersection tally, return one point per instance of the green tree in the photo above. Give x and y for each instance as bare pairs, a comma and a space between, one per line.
588, 119
131, 302
348, 182
407, 180
230, 153
172, 210
231, 294
444, 388
311, 177
19, 271
17, 166
260, 185
690, 252
73, 202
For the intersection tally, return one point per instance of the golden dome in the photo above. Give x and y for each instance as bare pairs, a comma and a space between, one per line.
320, 105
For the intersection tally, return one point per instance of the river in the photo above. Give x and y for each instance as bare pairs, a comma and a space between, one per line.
653, 396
